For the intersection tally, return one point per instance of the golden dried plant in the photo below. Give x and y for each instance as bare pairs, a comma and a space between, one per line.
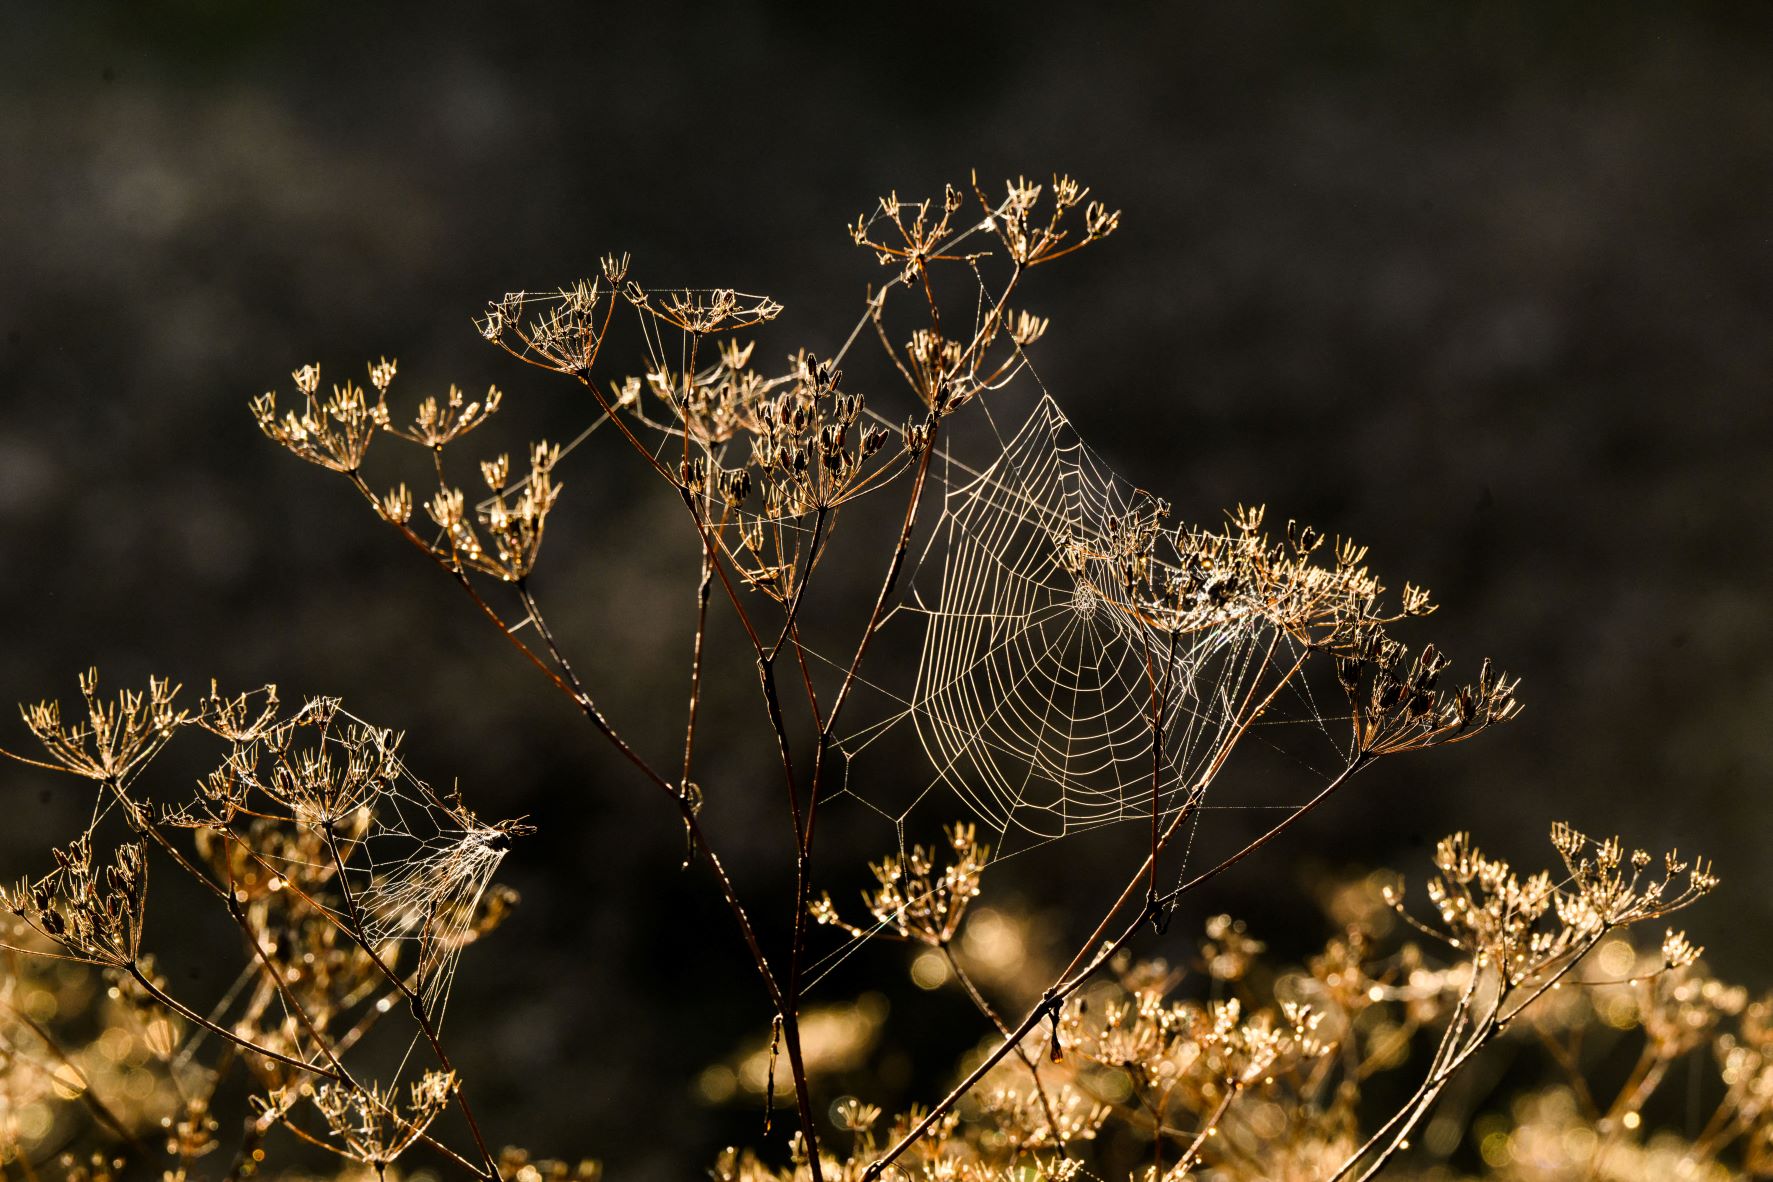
356, 888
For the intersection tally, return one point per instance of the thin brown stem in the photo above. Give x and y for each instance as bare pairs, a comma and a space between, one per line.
566, 684
1062, 989
703, 586
1192, 1153
1360, 760
188, 1014
1031, 1062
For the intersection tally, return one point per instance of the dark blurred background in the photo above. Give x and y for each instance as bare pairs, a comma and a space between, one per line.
1487, 288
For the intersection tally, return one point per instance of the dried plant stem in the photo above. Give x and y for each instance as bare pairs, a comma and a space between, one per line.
401, 989
703, 586
1159, 698
580, 699
1360, 761
1455, 1051
574, 688
1645, 1075
188, 1014
766, 671
791, 1027
1232, 614
1247, 716
275, 976
1064, 988
1192, 1153
37, 763
804, 852
147, 825
1566, 1059
1031, 1062
709, 545
603, 727
785, 1001
766, 677
894, 565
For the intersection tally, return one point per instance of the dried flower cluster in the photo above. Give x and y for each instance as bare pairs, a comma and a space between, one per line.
1240, 1070
355, 888
914, 901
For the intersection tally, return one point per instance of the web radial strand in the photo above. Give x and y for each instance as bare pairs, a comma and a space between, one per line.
1038, 676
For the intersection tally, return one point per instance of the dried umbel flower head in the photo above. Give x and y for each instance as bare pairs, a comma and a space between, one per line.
945, 368
1526, 928
558, 330
1031, 241
561, 330
94, 912
323, 783
703, 312
354, 886
116, 736
919, 897
372, 1126
515, 523
240, 718
334, 433
437, 425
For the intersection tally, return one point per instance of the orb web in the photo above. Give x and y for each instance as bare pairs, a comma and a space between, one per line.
1046, 700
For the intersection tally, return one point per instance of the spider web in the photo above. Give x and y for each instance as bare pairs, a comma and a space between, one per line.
425, 869
430, 896
1044, 698
416, 875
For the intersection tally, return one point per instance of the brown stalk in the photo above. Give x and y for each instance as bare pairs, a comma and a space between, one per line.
1055, 997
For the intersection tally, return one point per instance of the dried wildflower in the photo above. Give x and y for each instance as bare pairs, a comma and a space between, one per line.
95, 912
335, 433
1026, 329
438, 424
514, 522
396, 506
561, 330
1087, 658
704, 312
381, 375
917, 237
1527, 928
370, 1123
327, 783
116, 737
238, 719
914, 901
1030, 241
